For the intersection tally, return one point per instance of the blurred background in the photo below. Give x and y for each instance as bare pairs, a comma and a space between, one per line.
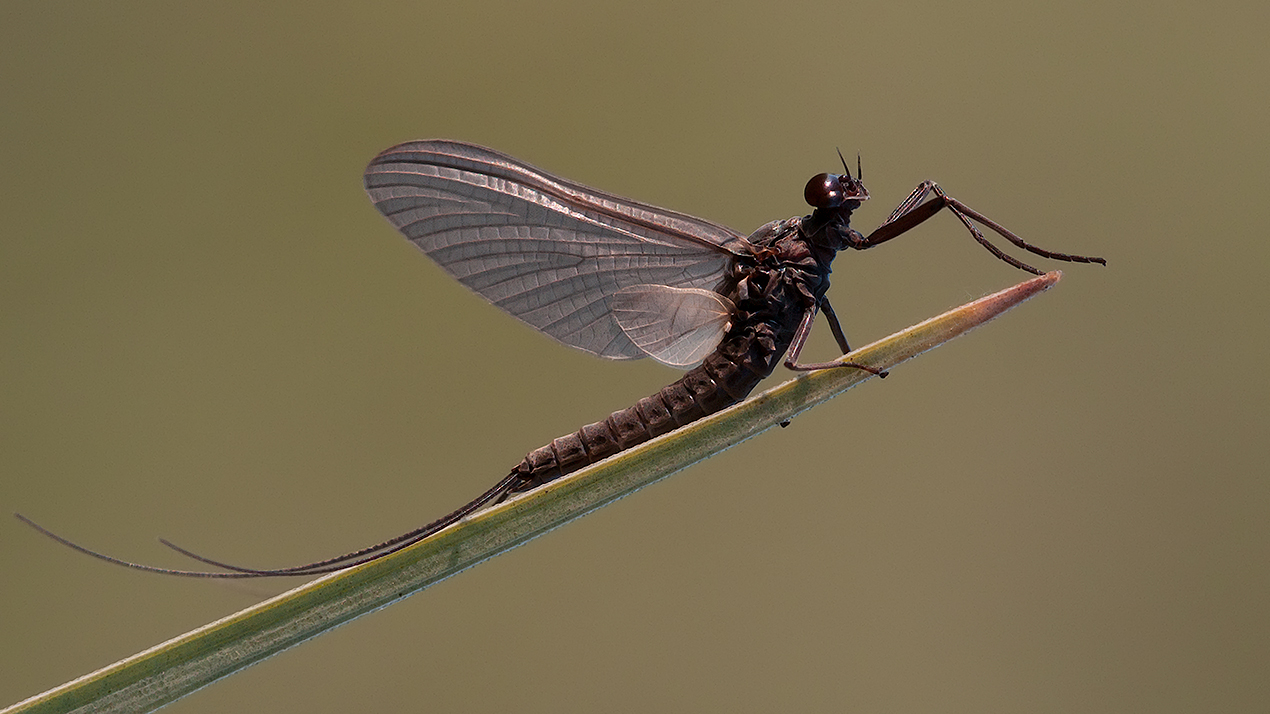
208, 333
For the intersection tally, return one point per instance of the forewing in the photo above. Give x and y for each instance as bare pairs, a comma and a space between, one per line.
675, 326
548, 251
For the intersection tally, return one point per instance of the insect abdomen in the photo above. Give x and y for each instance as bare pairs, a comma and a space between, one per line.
716, 383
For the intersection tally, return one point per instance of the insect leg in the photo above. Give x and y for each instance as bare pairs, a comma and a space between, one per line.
834, 327
911, 212
800, 337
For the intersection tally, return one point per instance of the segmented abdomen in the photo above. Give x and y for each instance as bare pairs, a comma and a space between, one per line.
718, 382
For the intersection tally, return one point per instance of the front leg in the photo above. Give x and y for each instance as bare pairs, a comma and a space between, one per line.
911, 212
800, 337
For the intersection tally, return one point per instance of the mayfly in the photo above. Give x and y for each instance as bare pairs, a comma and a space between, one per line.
623, 280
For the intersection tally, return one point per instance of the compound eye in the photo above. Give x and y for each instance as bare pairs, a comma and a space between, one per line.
824, 191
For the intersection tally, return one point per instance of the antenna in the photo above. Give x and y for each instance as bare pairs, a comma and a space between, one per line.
844, 162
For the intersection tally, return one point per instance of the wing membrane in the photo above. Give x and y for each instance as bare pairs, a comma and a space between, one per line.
546, 250
675, 326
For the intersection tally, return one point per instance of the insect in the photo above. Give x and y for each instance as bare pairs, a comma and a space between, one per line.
623, 280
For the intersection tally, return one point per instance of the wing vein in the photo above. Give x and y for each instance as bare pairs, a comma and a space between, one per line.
548, 251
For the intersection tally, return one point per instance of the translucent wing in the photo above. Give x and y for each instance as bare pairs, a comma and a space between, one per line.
675, 326
548, 251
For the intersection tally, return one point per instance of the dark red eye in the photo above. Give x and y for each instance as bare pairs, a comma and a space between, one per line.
824, 191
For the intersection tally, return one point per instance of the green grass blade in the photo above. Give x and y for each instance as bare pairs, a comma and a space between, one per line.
169, 671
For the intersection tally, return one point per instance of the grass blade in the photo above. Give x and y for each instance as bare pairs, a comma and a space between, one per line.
169, 671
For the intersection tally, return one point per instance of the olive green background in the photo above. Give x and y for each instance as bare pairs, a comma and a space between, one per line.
208, 333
